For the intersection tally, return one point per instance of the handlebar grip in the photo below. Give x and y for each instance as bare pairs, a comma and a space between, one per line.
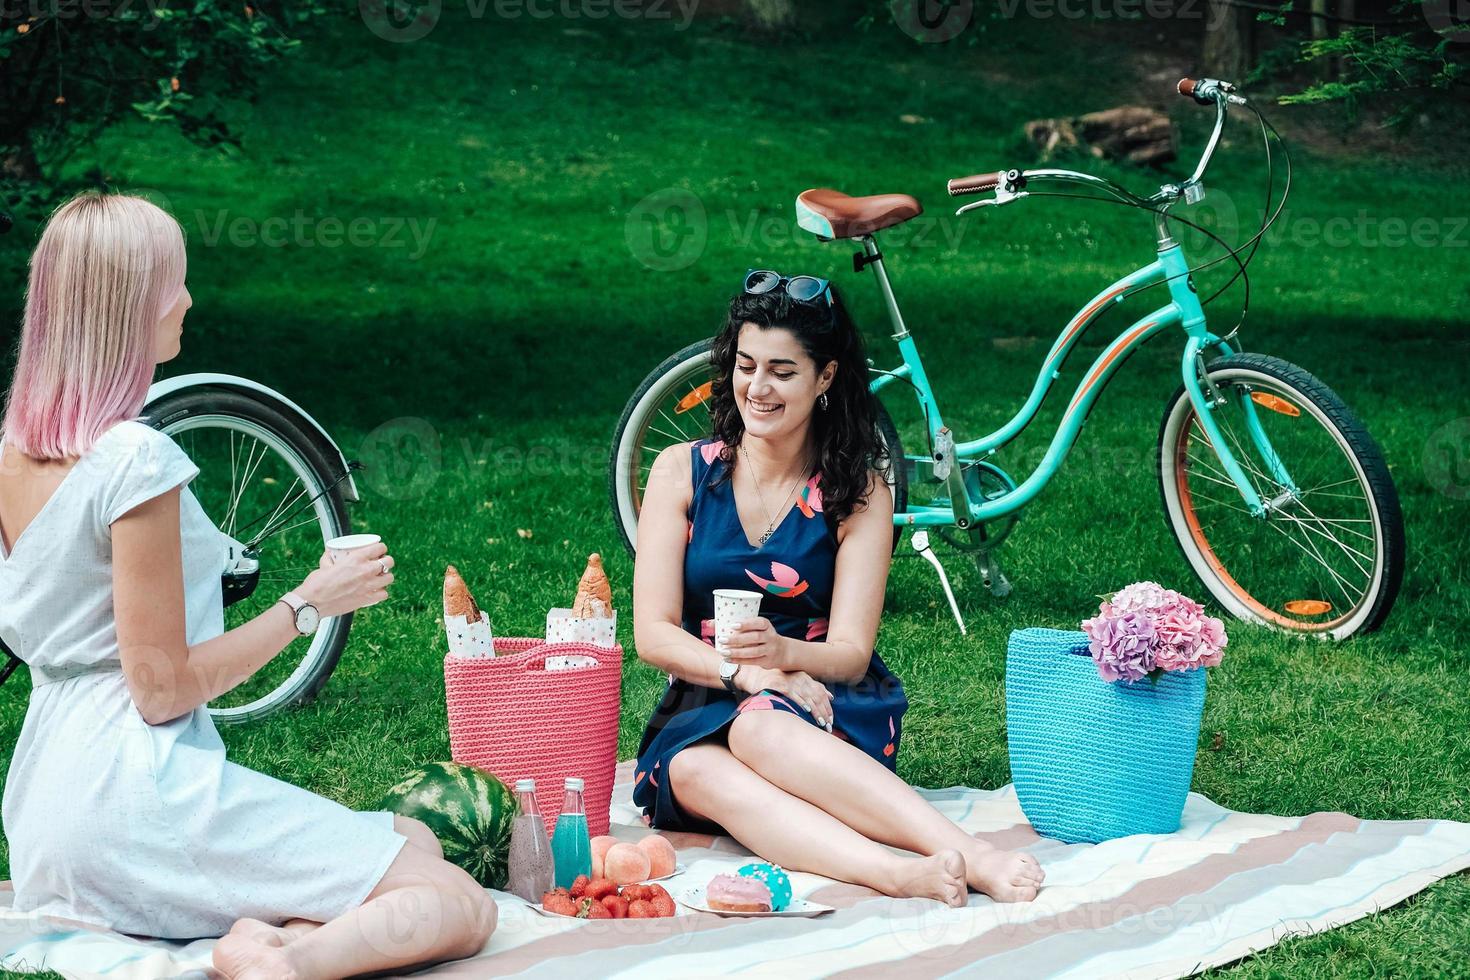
1187, 86
975, 183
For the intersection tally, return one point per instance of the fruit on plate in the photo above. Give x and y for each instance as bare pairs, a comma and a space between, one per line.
626, 863
661, 857
599, 851
467, 808
599, 898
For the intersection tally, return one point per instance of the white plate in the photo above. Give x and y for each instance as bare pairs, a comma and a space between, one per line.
694, 898
678, 870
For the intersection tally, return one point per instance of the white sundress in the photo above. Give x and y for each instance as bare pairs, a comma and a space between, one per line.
147, 829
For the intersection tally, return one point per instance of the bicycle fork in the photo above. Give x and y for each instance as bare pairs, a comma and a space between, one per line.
1206, 398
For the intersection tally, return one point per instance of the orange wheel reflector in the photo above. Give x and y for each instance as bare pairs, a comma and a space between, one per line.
1308, 607
1275, 404
694, 399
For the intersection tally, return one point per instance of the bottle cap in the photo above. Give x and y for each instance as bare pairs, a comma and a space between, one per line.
574, 783
525, 785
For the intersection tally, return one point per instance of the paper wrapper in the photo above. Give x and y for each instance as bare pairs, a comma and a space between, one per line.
564, 627
470, 638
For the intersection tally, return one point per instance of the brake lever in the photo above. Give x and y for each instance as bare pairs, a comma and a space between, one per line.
1002, 196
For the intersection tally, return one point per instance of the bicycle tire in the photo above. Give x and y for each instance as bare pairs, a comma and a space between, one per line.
1367, 464
212, 407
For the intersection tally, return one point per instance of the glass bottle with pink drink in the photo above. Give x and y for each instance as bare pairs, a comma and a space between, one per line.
530, 865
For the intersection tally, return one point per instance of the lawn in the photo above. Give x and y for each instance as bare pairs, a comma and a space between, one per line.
501, 290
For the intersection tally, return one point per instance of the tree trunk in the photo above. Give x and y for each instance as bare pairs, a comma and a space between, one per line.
1228, 50
770, 15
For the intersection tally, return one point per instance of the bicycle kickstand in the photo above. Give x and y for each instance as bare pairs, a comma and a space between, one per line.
990, 574
920, 541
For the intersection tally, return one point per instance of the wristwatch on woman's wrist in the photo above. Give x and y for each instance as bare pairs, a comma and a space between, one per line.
728, 671
305, 615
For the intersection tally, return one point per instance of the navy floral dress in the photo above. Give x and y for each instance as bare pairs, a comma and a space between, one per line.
795, 569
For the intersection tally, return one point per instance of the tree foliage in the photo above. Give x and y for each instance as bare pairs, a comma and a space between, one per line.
1418, 54
69, 69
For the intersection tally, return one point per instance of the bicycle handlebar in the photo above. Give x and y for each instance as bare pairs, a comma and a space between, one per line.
1205, 91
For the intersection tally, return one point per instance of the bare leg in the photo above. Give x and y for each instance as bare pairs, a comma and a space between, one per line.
419, 835
866, 795
424, 911
711, 783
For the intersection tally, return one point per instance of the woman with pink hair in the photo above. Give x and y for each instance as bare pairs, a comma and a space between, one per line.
120, 808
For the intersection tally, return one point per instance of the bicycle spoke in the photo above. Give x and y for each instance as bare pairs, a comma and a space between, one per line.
1343, 585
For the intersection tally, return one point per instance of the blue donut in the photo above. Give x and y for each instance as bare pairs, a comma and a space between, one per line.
775, 879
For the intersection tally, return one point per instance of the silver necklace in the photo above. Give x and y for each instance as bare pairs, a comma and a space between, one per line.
771, 522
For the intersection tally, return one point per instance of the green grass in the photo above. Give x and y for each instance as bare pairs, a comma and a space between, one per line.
528, 320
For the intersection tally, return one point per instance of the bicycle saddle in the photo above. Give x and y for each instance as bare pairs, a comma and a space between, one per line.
833, 214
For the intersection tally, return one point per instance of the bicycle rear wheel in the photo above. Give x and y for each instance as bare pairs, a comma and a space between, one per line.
1327, 558
672, 406
266, 480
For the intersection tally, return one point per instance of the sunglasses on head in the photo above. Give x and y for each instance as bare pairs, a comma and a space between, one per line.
801, 289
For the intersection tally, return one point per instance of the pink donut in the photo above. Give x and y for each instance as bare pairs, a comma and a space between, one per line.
733, 893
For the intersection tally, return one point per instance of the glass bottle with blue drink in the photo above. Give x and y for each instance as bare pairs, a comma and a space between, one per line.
571, 847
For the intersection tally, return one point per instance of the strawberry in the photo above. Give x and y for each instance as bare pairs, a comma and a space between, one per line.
560, 904
617, 905
579, 886
640, 909
663, 906
634, 893
588, 908
600, 888
556, 891
657, 891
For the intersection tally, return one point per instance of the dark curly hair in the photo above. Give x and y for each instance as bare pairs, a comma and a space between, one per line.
848, 447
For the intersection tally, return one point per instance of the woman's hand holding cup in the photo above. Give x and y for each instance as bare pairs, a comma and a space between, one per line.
756, 643
349, 579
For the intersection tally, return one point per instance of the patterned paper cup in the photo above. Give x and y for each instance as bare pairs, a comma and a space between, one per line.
733, 607
341, 547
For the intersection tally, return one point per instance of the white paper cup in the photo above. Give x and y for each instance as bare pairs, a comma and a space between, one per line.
340, 547
733, 607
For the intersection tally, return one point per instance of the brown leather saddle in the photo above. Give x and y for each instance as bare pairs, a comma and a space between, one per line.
827, 213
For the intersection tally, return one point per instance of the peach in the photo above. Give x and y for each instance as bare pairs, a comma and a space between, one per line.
661, 857
599, 852
625, 863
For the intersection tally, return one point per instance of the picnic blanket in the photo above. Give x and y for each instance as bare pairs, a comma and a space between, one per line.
1225, 885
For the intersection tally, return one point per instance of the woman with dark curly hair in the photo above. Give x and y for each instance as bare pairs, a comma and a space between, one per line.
789, 742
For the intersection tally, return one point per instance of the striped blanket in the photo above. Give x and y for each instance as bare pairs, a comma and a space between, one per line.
1225, 885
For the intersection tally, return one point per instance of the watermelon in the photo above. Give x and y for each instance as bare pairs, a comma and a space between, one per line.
467, 808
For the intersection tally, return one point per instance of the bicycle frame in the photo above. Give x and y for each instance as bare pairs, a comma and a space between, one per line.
1183, 310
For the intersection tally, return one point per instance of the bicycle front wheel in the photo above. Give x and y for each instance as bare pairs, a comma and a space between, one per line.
266, 481
1327, 557
672, 406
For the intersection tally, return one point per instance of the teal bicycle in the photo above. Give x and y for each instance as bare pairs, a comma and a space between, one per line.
1277, 495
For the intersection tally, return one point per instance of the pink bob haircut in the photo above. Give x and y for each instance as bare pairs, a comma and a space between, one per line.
107, 269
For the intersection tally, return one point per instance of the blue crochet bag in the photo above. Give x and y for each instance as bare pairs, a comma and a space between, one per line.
1093, 760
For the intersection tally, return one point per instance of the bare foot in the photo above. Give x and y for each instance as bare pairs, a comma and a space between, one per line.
941, 877
243, 957
1006, 876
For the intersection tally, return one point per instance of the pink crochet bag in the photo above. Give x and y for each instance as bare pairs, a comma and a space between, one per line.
512, 717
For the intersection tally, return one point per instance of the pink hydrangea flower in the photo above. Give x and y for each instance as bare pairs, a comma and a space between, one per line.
1122, 645
1141, 596
1146, 627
